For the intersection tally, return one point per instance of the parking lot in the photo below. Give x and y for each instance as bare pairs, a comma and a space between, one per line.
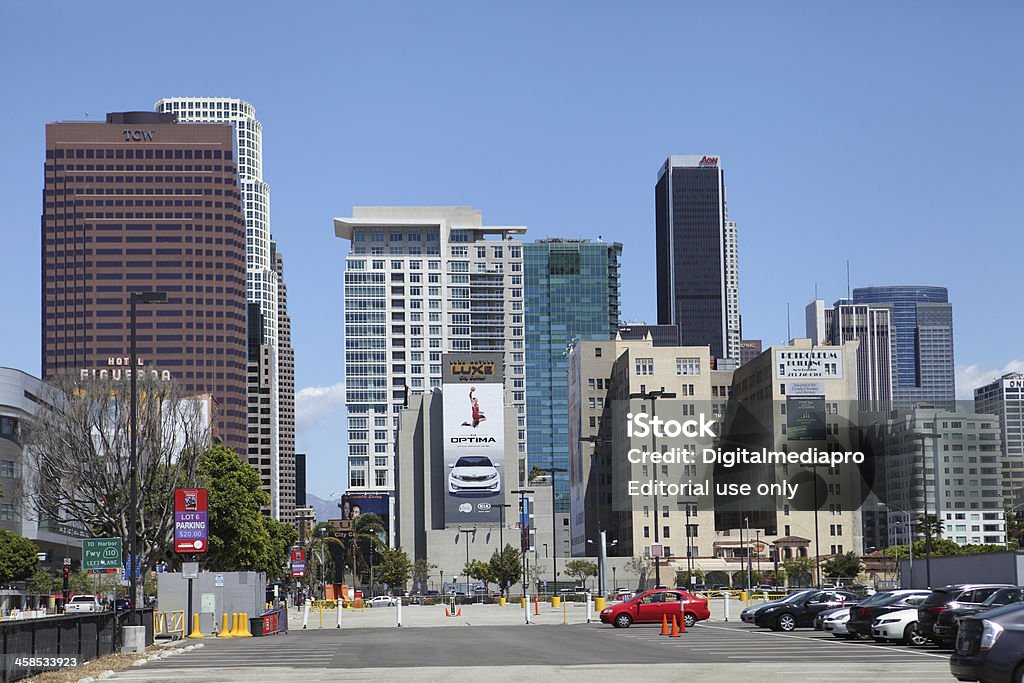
715, 651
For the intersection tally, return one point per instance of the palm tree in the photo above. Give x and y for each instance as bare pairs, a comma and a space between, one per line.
367, 533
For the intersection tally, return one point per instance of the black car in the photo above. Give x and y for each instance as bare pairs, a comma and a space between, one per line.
864, 613
122, 604
952, 596
990, 646
799, 609
947, 625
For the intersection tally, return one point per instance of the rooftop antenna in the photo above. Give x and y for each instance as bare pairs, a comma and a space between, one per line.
848, 278
789, 334
815, 290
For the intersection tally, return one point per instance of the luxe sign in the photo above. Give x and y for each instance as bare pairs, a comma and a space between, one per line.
190, 521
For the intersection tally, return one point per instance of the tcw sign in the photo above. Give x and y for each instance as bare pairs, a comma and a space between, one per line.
137, 135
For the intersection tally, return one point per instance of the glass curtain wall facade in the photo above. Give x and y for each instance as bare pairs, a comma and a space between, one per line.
572, 293
922, 329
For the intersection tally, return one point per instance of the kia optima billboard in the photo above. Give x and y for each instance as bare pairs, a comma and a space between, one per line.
473, 391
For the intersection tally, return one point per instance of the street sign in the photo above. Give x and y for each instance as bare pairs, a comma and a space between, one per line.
190, 521
67, 561
190, 570
101, 553
218, 580
656, 550
298, 562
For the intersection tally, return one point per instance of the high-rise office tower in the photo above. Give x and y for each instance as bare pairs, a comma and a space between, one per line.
921, 324
134, 204
872, 326
1005, 397
263, 288
421, 281
697, 262
260, 275
572, 293
286, 394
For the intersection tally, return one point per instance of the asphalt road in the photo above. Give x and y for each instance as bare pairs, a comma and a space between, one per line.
718, 652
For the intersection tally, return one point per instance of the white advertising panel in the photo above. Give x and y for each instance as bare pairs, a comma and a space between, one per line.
473, 394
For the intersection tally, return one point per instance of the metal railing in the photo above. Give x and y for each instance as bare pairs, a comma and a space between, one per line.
32, 646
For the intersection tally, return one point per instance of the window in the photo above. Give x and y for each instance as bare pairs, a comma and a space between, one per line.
687, 366
644, 366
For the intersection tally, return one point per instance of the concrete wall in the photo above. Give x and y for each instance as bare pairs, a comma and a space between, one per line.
240, 592
1005, 567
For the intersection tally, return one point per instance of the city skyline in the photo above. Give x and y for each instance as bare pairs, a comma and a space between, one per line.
820, 159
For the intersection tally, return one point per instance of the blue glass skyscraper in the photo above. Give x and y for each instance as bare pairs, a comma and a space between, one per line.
571, 292
922, 340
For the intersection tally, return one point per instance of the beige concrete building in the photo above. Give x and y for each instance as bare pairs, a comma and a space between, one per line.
674, 506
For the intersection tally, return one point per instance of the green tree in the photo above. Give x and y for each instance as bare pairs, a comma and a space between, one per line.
42, 582
239, 539
845, 566
481, 571
800, 570
421, 573
394, 569
282, 538
581, 569
506, 567
18, 557
81, 582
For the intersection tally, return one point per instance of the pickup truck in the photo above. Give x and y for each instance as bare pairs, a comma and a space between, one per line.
83, 603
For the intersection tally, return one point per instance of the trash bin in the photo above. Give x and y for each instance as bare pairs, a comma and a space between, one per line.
743, 596
599, 604
501, 602
256, 626
556, 601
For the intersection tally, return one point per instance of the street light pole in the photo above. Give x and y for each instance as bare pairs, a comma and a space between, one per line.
653, 396
466, 539
133, 460
554, 526
524, 532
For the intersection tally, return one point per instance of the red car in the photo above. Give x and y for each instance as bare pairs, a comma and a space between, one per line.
649, 607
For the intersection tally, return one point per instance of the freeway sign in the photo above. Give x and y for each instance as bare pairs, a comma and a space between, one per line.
101, 553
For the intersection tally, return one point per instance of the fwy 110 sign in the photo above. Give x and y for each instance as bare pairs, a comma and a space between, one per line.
190, 521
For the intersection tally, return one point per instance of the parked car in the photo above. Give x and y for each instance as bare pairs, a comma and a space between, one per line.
382, 601
651, 606
819, 621
432, 594
864, 613
952, 596
898, 627
798, 609
990, 646
122, 604
699, 587
83, 603
763, 588
835, 623
947, 624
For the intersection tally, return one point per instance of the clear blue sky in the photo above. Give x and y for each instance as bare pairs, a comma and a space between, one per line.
884, 133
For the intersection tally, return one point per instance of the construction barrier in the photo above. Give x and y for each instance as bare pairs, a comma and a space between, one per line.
169, 624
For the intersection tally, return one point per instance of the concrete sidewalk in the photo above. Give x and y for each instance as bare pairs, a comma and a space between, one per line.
472, 615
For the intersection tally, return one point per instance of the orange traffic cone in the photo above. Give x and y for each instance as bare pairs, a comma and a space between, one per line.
459, 613
664, 625
675, 628
446, 612
682, 624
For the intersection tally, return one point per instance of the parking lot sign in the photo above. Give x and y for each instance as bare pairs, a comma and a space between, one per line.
101, 553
